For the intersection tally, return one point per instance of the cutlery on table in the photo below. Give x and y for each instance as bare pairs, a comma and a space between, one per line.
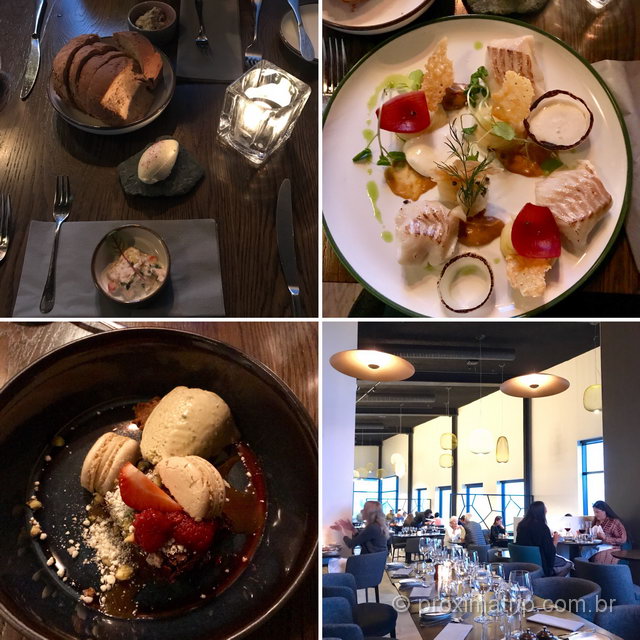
335, 66
61, 209
33, 61
306, 48
286, 245
201, 38
5, 224
252, 54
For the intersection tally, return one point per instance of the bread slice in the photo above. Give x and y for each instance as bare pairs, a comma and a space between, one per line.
117, 94
143, 52
63, 60
83, 55
80, 91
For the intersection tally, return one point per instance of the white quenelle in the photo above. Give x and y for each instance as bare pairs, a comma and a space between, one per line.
188, 422
195, 484
157, 162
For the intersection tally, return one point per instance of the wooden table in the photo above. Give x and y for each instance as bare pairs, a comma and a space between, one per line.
490, 630
36, 145
631, 554
574, 549
288, 349
607, 36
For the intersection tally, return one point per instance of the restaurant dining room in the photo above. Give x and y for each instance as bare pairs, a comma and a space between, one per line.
479, 480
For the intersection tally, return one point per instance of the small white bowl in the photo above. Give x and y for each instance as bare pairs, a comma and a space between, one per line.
156, 36
132, 235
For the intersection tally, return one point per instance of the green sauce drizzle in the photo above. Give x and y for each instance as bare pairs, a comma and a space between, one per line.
373, 193
387, 236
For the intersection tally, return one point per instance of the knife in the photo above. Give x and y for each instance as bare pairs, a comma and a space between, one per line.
286, 245
33, 61
306, 48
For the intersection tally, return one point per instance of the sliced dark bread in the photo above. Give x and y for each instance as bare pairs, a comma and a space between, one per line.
143, 52
83, 56
64, 58
80, 92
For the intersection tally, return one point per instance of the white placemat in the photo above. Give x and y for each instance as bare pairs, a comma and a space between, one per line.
194, 287
554, 621
455, 631
405, 572
421, 593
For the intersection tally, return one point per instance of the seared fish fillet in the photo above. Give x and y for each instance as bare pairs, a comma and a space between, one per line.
577, 198
514, 54
426, 232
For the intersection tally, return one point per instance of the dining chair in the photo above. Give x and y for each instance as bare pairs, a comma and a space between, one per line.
367, 569
535, 570
482, 551
614, 579
622, 620
574, 594
412, 547
398, 543
522, 553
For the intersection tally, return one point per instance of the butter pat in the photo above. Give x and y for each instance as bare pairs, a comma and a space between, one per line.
157, 162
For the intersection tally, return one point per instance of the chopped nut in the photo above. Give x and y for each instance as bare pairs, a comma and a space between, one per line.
51, 561
35, 530
130, 538
97, 499
86, 599
124, 572
43, 536
89, 591
58, 441
110, 579
106, 561
34, 504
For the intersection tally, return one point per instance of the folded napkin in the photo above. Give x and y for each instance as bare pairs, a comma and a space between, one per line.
221, 61
623, 78
405, 572
555, 621
421, 593
455, 631
194, 287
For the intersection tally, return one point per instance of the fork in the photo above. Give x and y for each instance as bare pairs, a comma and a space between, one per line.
253, 53
335, 66
5, 224
61, 209
201, 38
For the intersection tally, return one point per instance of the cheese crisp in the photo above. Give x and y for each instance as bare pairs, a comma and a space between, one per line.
438, 75
512, 101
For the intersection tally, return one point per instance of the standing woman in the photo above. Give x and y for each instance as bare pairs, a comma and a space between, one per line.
610, 530
374, 536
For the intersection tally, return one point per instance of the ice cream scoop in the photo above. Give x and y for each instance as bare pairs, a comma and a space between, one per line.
107, 456
188, 422
195, 484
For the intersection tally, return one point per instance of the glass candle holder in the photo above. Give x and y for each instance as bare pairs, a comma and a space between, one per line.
260, 111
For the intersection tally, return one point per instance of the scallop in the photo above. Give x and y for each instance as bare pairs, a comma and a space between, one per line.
157, 162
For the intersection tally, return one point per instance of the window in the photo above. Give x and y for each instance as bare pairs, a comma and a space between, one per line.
421, 499
364, 489
472, 490
444, 503
389, 493
592, 472
513, 501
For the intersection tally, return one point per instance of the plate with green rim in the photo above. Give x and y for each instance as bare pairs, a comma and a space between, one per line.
362, 235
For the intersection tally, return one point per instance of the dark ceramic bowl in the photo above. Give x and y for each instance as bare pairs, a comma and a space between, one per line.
156, 36
80, 391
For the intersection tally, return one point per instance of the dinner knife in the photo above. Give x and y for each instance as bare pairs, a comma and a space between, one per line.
33, 61
286, 245
306, 48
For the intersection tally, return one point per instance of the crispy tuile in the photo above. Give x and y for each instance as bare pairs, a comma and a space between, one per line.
438, 75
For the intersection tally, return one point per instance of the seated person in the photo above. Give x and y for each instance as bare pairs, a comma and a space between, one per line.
497, 530
409, 520
453, 533
608, 527
437, 520
533, 531
473, 531
374, 536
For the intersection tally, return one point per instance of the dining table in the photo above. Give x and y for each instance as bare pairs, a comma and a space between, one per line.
571, 549
36, 145
288, 349
614, 288
490, 630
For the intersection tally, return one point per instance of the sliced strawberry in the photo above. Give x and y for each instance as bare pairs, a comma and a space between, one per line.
196, 536
140, 493
152, 529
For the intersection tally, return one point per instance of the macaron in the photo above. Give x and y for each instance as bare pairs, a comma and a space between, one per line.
195, 484
106, 457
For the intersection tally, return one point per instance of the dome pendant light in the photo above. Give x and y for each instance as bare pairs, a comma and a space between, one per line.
377, 366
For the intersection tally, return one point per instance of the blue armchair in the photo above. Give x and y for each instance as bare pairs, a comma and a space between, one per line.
575, 594
368, 569
622, 620
614, 580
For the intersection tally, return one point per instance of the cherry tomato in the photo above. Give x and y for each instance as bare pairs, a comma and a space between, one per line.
406, 113
535, 233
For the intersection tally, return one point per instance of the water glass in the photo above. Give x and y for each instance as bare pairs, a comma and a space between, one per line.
260, 111
521, 589
483, 584
497, 581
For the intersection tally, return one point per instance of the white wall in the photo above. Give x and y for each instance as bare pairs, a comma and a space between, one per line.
338, 429
397, 444
366, 457
559, 423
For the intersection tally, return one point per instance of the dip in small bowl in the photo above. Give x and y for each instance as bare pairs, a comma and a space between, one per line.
156, 21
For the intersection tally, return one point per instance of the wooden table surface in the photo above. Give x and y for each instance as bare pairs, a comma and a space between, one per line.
630, 554
610, 34
289, 349
36, 145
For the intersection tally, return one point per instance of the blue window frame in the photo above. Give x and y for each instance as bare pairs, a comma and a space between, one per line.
364, 489
421, 500
592, 453
444, 503
513, 500
389, 493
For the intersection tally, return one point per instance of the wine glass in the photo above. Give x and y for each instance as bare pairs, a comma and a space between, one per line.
509, 604
520, 585
496, 570
473, 557
483, 583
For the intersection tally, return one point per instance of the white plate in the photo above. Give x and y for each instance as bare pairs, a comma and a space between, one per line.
289, 28
372, 16
349, 221
80, 120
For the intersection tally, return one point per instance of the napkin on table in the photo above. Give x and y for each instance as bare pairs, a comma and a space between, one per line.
222, 60
421, 593
405, 572
194, 287
555, 621
623, 78
455, 631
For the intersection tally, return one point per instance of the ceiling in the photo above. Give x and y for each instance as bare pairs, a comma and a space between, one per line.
447, 359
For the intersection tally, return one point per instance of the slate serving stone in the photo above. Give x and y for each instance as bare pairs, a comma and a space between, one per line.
185, 175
